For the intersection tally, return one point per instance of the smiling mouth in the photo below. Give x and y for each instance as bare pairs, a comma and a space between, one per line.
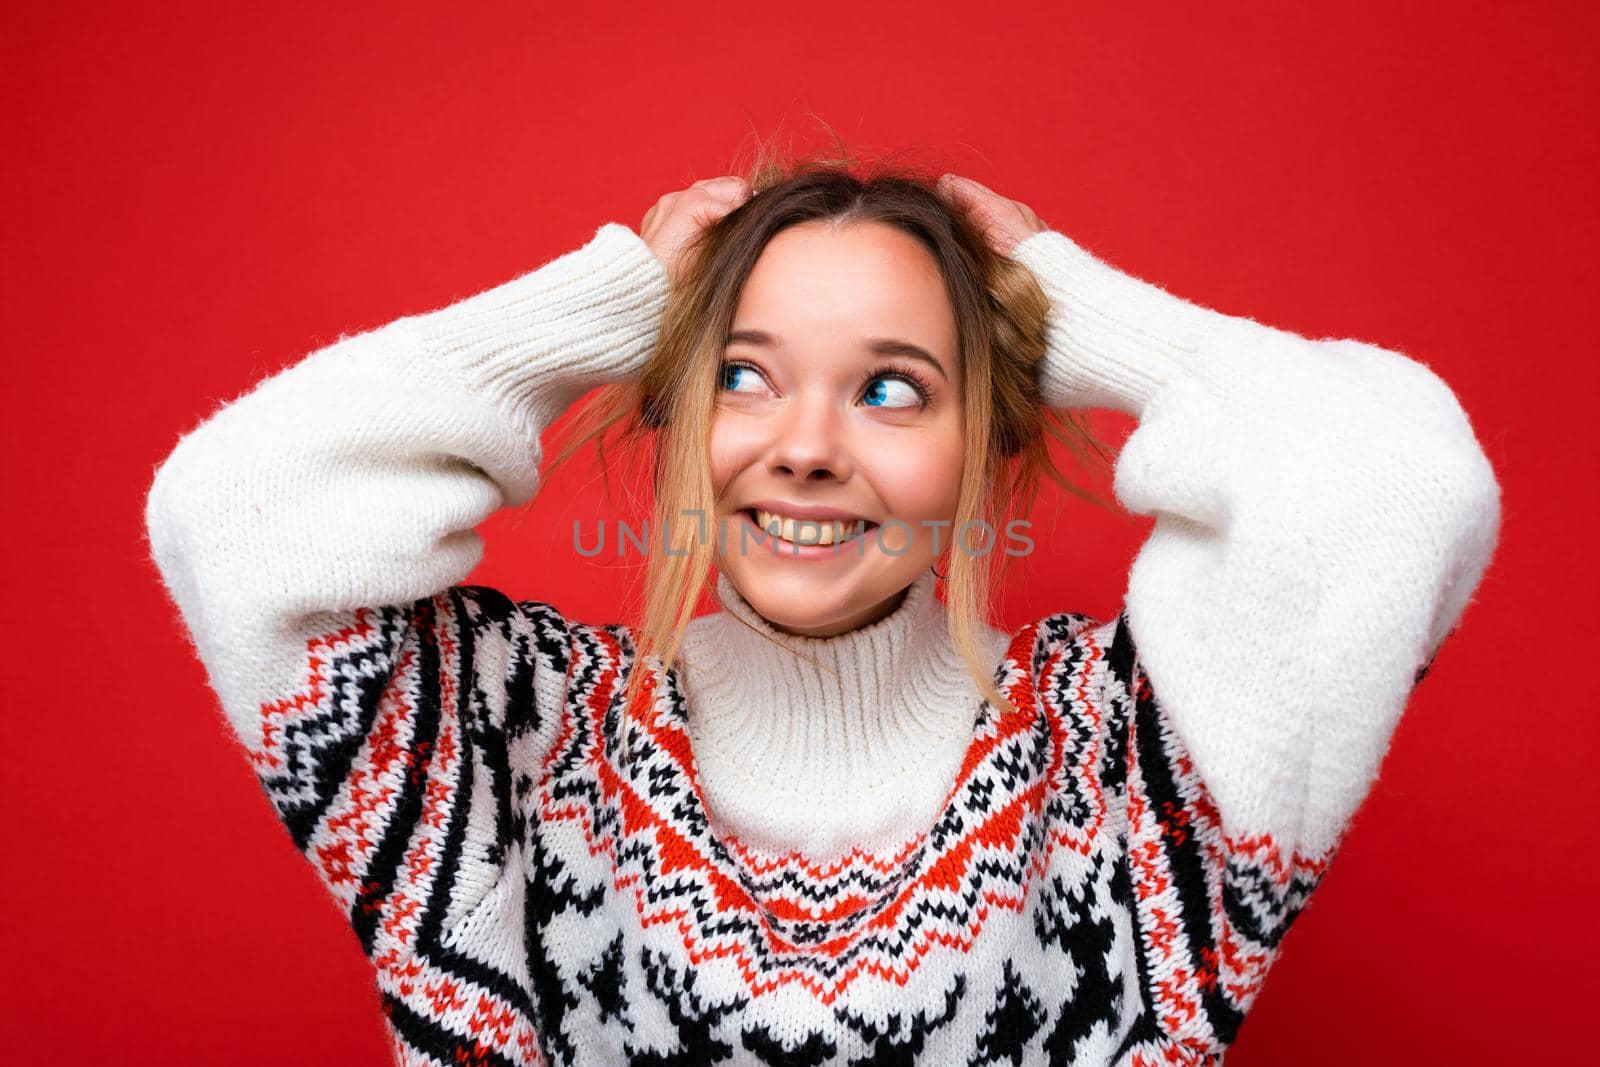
808, 531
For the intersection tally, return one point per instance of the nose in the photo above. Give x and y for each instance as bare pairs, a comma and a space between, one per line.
811, 443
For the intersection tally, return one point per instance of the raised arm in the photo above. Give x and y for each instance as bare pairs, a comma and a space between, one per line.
1323, 514
312, 532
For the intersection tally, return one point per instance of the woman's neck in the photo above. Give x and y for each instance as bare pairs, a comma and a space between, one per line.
818, 744
860, 620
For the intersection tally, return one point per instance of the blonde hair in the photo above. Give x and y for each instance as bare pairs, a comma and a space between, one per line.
666, 412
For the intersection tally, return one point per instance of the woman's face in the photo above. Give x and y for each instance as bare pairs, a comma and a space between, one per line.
840, 397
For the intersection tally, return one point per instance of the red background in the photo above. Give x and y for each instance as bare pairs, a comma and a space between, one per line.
198, 194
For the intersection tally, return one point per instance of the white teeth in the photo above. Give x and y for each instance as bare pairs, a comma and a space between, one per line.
808, 531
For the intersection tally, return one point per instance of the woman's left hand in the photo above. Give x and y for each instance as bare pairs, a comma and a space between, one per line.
1006, 223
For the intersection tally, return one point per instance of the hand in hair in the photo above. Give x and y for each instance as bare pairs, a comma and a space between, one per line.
677, 217
1006, 223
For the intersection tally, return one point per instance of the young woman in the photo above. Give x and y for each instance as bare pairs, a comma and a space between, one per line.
851, 824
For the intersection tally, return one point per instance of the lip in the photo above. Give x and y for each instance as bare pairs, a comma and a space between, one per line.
761, 543
807, 511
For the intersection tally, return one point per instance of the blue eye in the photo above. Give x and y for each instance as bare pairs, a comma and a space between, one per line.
889, 389
879, 395
735, 375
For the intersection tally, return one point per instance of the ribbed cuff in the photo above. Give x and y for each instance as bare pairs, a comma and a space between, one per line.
1113, 340
537, 343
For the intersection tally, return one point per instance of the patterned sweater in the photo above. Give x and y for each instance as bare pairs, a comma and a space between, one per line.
863, 866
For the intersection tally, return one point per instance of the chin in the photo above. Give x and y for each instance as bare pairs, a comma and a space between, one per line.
806, 598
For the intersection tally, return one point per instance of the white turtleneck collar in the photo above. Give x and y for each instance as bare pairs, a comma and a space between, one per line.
856, 750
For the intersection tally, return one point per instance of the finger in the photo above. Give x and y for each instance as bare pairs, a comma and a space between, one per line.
964, 191
730, 188
711, 211
715, 206
721, 181
980, 187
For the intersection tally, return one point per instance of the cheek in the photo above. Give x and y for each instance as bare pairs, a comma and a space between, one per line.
734, 447
919, 476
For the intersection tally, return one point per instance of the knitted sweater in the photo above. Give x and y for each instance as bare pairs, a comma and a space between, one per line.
857, 863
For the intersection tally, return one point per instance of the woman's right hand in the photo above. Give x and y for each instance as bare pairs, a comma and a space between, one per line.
678, 217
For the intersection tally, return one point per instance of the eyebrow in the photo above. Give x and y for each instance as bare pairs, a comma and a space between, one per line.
883, 346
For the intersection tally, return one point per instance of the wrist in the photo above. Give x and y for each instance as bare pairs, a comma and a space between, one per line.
536, 343
1113, 341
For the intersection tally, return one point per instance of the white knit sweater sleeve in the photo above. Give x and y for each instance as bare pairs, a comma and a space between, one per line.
311, 533
1323, 513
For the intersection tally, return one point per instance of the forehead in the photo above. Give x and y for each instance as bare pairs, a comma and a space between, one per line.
866, 277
